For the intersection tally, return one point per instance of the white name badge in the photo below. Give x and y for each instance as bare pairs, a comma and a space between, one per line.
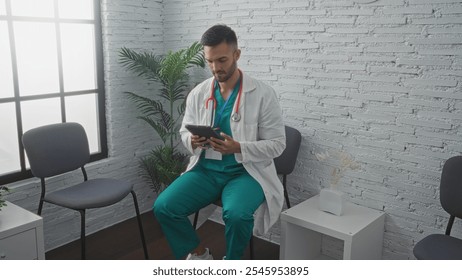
211, 154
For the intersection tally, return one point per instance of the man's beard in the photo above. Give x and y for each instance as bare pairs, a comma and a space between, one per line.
222, 79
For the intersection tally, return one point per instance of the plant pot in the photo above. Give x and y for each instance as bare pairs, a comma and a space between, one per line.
331, 201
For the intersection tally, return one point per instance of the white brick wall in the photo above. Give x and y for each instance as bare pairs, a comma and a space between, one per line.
381, 81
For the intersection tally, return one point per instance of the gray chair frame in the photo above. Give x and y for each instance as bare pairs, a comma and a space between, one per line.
444, 246
285, 164
60, 148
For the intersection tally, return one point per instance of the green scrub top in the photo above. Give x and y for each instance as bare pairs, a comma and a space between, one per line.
222, 120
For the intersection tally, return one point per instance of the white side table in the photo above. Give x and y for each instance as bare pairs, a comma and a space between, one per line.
303, 225
21, 234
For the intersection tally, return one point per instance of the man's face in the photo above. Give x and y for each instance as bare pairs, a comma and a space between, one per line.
222, 60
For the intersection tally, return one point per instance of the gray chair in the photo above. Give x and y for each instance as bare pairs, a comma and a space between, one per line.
444, 246
285, 164
60, 148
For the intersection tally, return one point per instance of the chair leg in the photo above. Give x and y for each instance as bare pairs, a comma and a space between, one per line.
39, 212
251, 248
196, 217
42, 196
286, 194
82, 234
450, 223
140, 225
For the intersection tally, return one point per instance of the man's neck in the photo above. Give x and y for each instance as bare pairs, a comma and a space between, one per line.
226, 88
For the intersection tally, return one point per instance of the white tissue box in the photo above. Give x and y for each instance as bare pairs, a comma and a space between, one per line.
331, 201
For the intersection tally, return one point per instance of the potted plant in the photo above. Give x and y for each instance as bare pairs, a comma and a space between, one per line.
3, 190
163, 111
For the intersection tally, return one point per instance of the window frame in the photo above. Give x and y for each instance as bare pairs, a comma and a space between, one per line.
24, 173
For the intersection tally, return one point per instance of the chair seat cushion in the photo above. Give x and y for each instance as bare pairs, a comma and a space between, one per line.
90, 194
438, 247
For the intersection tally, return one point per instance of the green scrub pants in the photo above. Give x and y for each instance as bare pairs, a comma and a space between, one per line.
241, 196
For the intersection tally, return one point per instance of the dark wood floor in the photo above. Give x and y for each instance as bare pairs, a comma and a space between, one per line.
122, 242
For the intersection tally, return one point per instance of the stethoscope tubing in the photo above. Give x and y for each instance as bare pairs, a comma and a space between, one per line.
235, 116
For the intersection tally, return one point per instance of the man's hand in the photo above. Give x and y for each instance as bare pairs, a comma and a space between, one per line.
227, 146
198, 142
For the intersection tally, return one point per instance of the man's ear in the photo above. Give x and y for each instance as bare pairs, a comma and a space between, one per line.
237, 54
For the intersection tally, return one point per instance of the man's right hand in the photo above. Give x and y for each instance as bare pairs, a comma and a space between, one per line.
199, 142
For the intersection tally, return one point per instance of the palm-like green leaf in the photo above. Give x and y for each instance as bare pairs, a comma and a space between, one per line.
147, 106
158, 127
182, 108
195, 55
143, 64
173, 65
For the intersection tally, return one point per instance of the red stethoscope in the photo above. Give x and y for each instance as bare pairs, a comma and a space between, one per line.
235, 117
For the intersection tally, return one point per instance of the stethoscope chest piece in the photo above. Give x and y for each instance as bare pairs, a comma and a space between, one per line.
235, 117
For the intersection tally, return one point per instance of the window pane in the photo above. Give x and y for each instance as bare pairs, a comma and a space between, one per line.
9, 148
40, 112
37, 58
2, 7
83, 109
78, 56
76, 9
6, 73
32, 8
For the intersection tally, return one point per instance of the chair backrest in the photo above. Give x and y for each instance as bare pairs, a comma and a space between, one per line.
55, 149
285, 163
451, 186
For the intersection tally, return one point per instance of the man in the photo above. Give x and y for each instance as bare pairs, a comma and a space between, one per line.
238, 169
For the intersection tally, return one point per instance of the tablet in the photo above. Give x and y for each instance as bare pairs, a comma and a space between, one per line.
203, 131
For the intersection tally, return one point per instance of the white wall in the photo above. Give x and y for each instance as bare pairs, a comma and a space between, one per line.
381, 81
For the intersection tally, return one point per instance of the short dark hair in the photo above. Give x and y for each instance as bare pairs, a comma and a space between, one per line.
218, 34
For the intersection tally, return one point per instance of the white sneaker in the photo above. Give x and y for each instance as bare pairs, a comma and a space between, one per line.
204, 257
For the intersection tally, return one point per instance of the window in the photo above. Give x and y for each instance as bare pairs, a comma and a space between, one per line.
51, 71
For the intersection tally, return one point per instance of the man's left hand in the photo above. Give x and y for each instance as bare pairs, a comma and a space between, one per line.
227, 146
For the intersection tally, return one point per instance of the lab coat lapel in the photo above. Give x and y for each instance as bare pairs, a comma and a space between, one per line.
207, 116
247, 87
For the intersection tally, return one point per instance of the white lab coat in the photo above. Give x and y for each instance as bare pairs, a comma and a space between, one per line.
260, 132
